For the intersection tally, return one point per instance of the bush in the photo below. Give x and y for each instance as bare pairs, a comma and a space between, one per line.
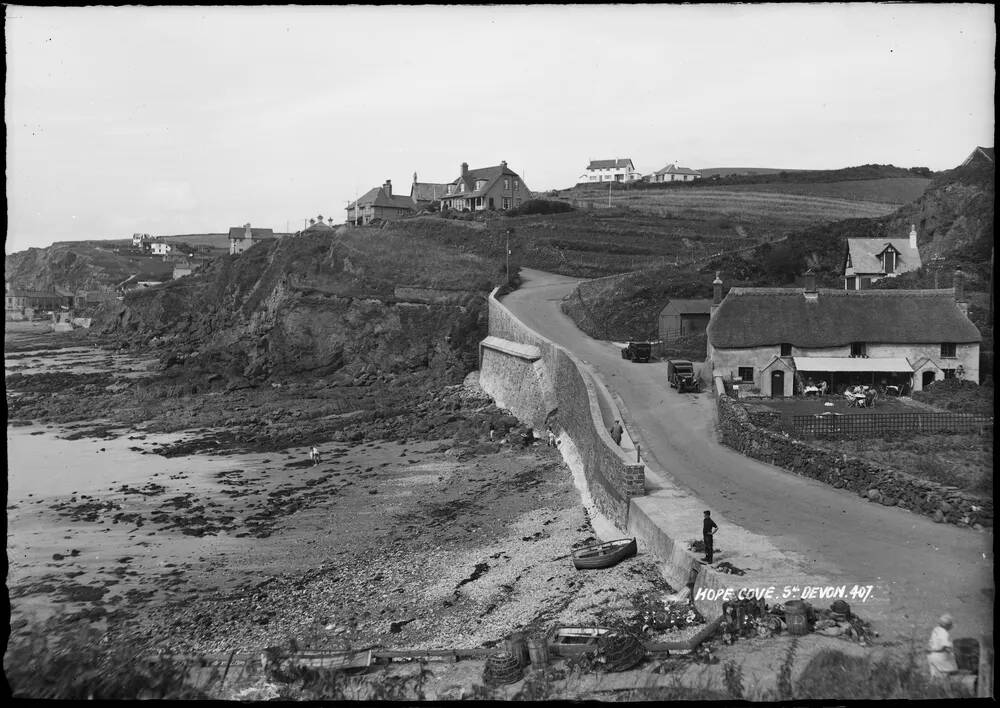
540, 206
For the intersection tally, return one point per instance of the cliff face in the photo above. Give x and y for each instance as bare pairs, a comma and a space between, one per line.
79, 265
360, 303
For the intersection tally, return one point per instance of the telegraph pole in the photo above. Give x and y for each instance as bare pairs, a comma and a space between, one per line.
507, 249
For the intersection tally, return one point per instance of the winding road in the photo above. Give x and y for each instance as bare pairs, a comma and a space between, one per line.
919, 567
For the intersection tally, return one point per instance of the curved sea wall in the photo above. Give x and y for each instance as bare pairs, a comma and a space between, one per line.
873, 482
543, 384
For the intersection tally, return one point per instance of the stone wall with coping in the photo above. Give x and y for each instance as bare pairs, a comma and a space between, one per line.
878, 484
556, 390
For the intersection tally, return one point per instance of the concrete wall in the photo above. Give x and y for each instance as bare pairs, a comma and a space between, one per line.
877, 484
557, 390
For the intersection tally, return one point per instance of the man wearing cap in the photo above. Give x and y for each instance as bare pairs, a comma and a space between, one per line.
708, 529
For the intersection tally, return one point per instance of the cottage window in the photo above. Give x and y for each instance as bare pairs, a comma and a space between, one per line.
746, 374
461, 187
506, 184
516, 184
948, 373
506, 202
858, 349
948, 350
786, 349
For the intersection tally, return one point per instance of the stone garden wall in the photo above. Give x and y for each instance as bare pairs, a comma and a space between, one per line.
878, 484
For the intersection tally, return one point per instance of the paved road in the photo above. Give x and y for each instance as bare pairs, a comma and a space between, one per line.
926, 568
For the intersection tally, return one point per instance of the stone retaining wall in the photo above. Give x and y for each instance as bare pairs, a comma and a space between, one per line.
556, 390
878, 484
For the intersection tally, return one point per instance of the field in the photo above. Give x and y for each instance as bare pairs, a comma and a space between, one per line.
894, 190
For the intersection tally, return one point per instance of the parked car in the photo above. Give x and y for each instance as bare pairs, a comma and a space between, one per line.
680, 374
637, 351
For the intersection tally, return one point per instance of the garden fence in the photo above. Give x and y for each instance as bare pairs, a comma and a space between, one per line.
878, 424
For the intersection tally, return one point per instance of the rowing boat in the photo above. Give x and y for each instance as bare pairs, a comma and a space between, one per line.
569, 641
604, 555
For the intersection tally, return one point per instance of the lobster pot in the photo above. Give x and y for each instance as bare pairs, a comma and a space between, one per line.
796, 617
538, 652
502, 669
967, 654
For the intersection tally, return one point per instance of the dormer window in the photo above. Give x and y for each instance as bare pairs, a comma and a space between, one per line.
480, 183
858, 349
451, 189
786, 349
889, 260
461, 187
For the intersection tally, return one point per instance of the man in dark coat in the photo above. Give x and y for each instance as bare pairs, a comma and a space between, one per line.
708, 529
616, 432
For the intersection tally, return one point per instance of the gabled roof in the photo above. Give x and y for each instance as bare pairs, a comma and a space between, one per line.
318, 226
427, 191
489, 174
980, 153
240, 232
756, 317
687, 307
675, 170
378, 197
864, 254
610, 164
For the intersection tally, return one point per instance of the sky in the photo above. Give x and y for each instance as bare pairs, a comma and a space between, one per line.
173, 120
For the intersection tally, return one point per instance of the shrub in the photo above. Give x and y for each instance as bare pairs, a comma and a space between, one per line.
540, 206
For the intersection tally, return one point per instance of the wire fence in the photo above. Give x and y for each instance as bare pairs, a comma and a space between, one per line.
878, 424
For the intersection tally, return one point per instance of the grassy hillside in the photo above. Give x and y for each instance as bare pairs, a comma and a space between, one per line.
893, 190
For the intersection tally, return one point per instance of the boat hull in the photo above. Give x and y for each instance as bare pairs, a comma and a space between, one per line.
604, 555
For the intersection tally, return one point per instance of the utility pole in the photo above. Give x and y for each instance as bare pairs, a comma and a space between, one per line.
610, 182
507, 249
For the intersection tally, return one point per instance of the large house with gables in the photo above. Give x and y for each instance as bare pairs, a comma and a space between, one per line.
870, 259
485, 188
378, 203
774, 339
620, 169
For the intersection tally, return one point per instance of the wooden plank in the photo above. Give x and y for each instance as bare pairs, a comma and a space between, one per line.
984, 683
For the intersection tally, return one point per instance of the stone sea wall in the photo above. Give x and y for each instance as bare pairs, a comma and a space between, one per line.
878, 484
556, 390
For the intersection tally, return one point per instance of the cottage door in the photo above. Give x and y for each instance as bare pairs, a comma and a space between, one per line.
491, 204
777, 384
927, 379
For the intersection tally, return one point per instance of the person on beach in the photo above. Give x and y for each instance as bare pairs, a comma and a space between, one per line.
552, 436
493, 431
708, 529
314, 456
616, 432
940, 653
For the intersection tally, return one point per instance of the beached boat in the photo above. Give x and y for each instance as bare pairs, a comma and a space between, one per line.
604, 555
569, 641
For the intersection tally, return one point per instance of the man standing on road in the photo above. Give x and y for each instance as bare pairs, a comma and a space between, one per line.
314, 456
616, 432
708, 529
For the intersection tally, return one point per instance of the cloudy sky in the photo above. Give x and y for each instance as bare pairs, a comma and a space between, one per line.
183, 120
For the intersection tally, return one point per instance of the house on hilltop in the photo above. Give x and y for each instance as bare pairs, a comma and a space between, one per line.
423, 193
139, 239
681, 318
160, 248
485, 188
243, 237
617, 170
980, 155
673, 173
378, 203
870, 259
774, 338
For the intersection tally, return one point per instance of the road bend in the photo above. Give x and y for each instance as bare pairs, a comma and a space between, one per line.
926, 568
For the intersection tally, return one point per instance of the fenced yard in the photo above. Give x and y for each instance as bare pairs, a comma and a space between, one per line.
880, 424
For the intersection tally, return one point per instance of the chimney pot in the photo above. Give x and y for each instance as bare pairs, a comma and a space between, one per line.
959, 285
913, 236
465, 168
717, 289
503, 163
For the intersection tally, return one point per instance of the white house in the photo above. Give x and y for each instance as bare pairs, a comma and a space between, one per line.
870, 259
160, 248
769, 338
617, 170
673, 173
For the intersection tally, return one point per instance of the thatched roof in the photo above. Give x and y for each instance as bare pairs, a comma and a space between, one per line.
757, 317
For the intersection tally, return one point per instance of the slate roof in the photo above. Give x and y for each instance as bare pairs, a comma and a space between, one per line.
757, 317
240, 232
675, 170
377, 197
864, 254
610, 164
687, 307
490, 174
980, 153
427, 191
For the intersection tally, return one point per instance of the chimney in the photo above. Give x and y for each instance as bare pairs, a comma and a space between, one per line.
414, 178
913, 236
503, 164
959, 284
809, 285
465, 168
716, 290
388, 187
